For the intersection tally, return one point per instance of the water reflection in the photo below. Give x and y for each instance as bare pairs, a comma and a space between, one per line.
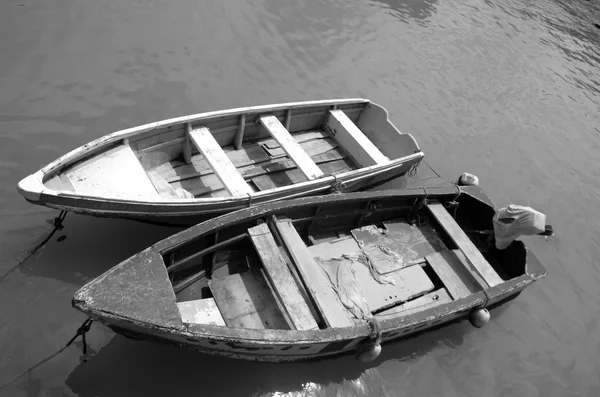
405, 10
141, 369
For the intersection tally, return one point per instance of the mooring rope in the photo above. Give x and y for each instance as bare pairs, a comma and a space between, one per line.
82, 330
57, 226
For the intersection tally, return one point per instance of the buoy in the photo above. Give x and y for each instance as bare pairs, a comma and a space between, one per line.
479, 317
369, 352
467, 179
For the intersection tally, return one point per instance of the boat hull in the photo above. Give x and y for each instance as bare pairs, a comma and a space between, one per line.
290, 351
187, 213
291, 345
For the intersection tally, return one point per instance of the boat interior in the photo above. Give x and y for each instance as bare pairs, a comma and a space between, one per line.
329, 265
236, 154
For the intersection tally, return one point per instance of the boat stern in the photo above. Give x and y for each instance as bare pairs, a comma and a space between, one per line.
31, 187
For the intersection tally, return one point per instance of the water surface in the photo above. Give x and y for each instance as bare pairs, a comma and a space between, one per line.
507, 90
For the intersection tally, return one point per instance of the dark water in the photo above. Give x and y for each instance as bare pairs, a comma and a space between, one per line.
507, 90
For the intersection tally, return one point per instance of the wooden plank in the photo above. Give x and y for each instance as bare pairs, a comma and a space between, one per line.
286, 178
245, 301
409, 282
165, 190
464, 243
201, 311
329, 305
115, 174
432, 299
187, 145
299, 137
239, 135
292, 148
246, 156
352, 139
280, 278
219, 162
448, 268
312, 148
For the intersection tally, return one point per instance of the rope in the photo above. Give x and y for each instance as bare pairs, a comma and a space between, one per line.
375, 336
57, 226
85, 327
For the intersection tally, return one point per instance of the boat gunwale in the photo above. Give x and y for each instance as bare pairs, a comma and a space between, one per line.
74, 154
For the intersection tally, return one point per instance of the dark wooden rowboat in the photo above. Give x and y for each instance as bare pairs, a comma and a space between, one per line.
315, 276
191, 168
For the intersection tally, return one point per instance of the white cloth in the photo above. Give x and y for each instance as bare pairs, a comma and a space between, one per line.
526, 221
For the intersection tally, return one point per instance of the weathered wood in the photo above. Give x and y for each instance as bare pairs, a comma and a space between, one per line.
408, 282
187, 262
201, 311
293, 149
116, 173
243, 158
286, 178
219, 162
280, 278
187, 145
245, 301
315, 279
448, 268
299, 137
464, 243
288, 119
432, 299
239, 136
354, 142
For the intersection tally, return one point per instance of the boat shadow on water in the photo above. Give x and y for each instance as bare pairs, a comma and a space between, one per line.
138, 368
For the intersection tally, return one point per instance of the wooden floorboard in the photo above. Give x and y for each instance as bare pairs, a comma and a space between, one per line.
245, 301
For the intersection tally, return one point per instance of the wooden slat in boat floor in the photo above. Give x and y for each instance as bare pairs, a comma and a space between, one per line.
245, 156
285, 178
409, 282
333, 161
245, 301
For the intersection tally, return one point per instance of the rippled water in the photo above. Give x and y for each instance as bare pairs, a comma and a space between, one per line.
507, 90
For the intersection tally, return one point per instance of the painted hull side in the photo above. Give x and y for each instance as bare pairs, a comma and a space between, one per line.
346, 342
190, 213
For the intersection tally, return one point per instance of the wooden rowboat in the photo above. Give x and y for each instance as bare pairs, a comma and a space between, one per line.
191, 168
315, 276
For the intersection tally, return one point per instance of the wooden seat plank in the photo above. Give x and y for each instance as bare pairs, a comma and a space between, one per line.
315, 278
245, 301
353, 140
464, 243
219, 162
280, 279
292, 148
451, 271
